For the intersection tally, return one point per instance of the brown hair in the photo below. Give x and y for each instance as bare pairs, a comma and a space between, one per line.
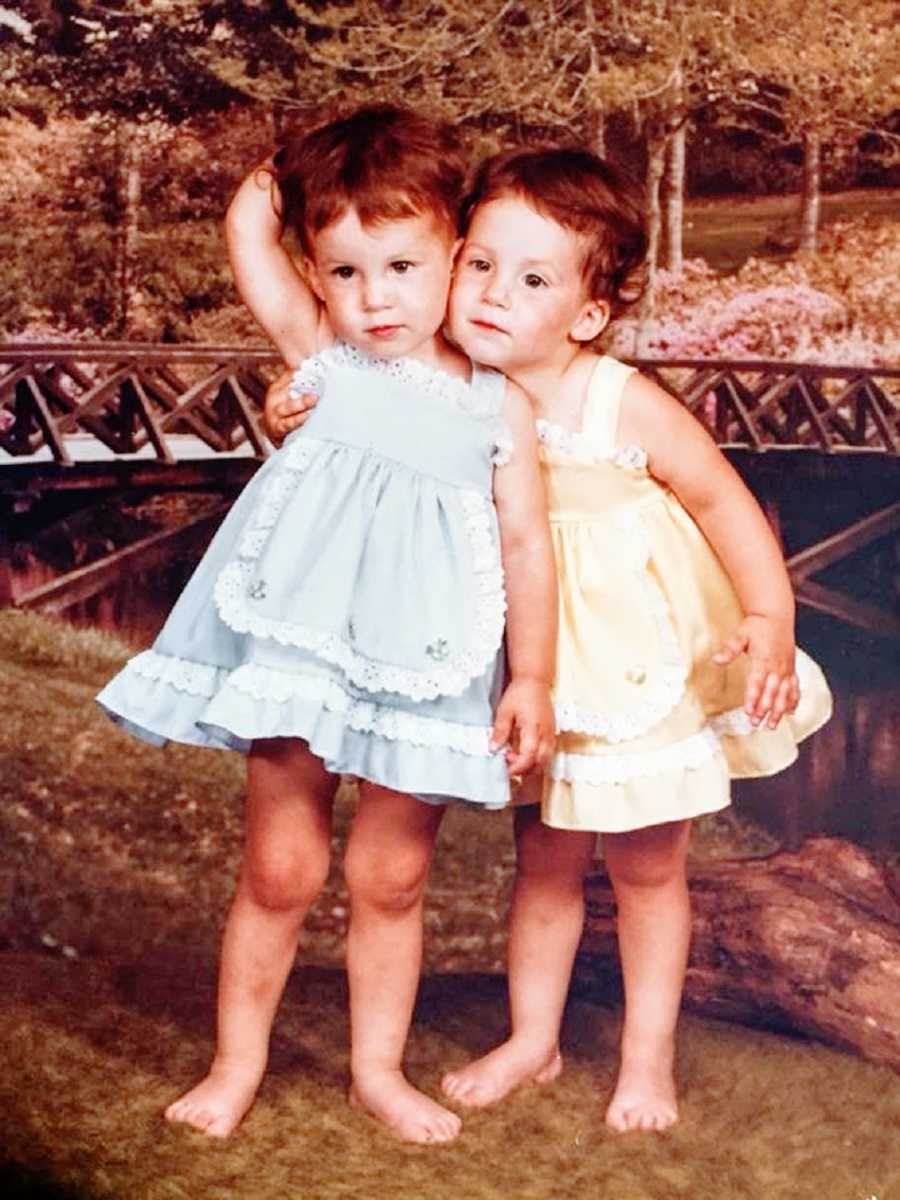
586, 195
386, 162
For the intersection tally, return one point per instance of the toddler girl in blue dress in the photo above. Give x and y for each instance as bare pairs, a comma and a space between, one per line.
348, 617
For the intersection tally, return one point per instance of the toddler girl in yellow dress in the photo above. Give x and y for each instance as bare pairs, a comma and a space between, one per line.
676, 663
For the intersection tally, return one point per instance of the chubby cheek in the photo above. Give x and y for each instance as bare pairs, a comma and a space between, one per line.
457, 308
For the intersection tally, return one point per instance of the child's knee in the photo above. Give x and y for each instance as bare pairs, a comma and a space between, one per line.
283, 885
649, 864
390, 886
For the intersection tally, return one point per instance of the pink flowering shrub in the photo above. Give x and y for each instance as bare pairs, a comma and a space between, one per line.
840, 307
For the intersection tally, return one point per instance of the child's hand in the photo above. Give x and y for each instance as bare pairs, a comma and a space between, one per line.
284, 411
772, 686
525, 724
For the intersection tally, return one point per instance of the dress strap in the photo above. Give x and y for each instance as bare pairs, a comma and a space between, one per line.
604, 396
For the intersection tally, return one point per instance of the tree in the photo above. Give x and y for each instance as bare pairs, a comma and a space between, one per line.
823, 74
134, 74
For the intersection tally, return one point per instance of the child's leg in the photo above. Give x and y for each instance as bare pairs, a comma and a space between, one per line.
285, 864
545, 924
647, 869
387, 861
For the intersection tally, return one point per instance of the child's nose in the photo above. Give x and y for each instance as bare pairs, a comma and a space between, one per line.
376, 293
496, 292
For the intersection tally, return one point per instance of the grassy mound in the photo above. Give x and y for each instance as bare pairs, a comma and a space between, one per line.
116, 864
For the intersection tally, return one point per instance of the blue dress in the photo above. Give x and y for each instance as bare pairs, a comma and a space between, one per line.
353, 596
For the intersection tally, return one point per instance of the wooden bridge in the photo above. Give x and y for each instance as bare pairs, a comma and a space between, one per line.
174, 431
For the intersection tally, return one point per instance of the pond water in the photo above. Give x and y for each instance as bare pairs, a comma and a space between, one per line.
846, 781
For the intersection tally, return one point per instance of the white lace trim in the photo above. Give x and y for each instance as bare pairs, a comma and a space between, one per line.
447, 678
503, 447
667, 690
580, 446
688, 754
197, 679
479, 402
363, 716
308, 378
265, 684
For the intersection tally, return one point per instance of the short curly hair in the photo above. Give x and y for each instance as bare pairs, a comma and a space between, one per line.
384, 161
584, 194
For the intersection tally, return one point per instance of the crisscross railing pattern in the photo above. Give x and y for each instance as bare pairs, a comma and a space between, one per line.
767, 404
129, 395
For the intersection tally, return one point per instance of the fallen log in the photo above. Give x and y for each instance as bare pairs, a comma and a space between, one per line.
805, 942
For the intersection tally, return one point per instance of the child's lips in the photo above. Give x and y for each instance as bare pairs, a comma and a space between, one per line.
488, 325
383, 330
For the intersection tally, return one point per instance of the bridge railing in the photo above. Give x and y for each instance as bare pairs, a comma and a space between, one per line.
131, 396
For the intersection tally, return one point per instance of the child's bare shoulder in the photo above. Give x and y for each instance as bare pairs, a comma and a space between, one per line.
518, 413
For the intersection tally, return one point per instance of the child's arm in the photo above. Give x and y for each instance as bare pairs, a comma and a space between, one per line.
525, 712
682, 455
266, 277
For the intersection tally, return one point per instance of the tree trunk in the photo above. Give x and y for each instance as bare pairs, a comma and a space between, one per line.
656, 157
129, 139
807, 942
812, 190
674, 212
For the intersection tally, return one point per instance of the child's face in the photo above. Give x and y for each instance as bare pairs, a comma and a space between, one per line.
384, 285
518, 298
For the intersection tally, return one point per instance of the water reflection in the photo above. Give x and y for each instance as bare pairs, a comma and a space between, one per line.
846, 781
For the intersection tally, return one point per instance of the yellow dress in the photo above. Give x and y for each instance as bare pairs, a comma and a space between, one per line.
650, 729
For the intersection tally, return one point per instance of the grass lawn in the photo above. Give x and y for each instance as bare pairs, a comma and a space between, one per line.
726, 230
116, 862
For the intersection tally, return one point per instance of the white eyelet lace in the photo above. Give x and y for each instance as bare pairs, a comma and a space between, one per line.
690, 753
668, 688
580, 447
194, 678
483, 403
449, 677
308, 378
265, 684
364, 716
503, 448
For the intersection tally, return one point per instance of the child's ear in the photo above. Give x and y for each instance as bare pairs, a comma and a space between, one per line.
312, 277
454, 252
591, 321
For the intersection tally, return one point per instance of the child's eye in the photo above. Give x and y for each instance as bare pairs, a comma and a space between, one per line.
401, 266
479, 264
343, 272
533, 281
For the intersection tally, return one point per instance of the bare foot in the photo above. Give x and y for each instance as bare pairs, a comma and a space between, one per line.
408, 1113
218, 1104
644, 1097
494, 1076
